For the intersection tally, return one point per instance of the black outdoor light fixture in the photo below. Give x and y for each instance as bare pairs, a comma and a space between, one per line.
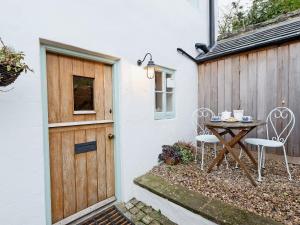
150, 66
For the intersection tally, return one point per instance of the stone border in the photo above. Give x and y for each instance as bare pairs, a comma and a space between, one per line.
142, 214
211, 209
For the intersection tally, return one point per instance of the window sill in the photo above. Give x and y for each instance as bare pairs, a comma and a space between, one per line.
84, 112
164, 115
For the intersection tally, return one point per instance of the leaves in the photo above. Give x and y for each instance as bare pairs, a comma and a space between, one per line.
12, 59
179, 152
238, 18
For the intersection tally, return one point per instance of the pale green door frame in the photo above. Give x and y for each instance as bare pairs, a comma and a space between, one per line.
49, 46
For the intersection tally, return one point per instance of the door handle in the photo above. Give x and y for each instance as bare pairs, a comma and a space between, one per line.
111, 136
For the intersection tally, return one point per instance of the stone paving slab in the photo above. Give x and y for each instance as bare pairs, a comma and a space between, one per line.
141, 214
211, 209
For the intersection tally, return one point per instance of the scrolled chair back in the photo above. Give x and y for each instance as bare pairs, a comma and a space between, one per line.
280, 123
200, 116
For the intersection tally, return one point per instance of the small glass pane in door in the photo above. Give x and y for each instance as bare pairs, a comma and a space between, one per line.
83, 88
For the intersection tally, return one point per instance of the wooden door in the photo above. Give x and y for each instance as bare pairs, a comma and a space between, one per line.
80, 134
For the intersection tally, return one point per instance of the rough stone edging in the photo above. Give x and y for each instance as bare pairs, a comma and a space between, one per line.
211, 209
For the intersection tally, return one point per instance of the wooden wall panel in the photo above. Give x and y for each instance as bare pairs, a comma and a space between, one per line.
101, 157
257, 81
252, 89
68, 165
91, 167
207, 77
201, 85
57, 194
214, 87
244, 83
99, 92
228, 84
53, 87
294, 96
271, 81
66, 86
80, 173
235, 70
108, 92
261, 88
110, 166
221, 87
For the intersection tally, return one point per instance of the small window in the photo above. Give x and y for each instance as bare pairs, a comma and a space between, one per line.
83, 93
164, 94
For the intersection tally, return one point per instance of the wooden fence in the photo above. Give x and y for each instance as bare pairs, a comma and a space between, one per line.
255, 81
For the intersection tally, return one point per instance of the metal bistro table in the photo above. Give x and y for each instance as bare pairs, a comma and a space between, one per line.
228, 128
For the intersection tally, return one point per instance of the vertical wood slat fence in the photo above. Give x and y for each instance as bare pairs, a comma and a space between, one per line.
257, 82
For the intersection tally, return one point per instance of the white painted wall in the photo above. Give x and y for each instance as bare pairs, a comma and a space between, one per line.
125, 29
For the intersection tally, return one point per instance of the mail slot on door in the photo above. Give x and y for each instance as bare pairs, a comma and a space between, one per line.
85, 147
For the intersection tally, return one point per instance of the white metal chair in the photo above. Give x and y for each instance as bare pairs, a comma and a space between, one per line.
203, 134
274, 139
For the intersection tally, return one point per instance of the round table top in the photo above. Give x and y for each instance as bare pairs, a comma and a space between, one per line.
237, 125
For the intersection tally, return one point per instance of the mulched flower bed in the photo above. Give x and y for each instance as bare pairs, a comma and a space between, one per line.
275, 197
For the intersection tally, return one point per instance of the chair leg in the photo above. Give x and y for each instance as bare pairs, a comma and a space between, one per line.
215, 150
226, 161
259, 150
287, 164
202, 155
263, 157
240, 156
196, 152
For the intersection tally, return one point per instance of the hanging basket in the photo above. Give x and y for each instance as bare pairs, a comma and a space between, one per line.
7, 77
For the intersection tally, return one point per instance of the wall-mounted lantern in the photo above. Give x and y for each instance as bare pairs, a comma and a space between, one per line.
150, 66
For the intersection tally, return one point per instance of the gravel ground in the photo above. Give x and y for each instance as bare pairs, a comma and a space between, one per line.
275, 197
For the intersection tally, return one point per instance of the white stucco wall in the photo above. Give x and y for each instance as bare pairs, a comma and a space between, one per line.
125, 29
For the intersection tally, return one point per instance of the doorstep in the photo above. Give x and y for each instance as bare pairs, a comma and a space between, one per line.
211, 209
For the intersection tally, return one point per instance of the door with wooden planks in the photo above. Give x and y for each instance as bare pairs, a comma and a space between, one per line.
80, 134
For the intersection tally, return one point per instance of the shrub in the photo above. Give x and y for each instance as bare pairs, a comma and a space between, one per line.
239, 18
169, 155
179, 152
186, 151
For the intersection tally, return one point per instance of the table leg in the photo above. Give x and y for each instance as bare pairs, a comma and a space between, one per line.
228, 147
245, 148
242, 165
231, 143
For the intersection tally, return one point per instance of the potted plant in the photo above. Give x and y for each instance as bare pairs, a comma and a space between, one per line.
169, 155
180, 152
187, 151
11, 65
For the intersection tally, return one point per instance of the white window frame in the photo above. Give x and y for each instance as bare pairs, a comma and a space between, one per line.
164, 114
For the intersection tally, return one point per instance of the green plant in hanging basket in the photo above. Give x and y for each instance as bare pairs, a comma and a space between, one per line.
11, 65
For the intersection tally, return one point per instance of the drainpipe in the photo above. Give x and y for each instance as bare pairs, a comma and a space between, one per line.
212, 24
212, 35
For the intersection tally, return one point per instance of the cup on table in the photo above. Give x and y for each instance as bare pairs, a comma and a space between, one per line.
238, 114
247, 118
216, 118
